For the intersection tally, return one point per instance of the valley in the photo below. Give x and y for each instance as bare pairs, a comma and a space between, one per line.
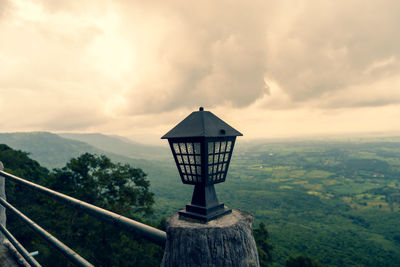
335, 200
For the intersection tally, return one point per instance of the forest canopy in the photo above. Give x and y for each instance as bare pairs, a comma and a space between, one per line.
91, 178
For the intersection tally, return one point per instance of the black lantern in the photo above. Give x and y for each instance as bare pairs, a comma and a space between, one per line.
202, 146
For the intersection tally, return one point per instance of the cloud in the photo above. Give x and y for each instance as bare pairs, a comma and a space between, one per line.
49, 110
47, 80
382, 92
3, 7
220, 53
208, 53
329, 46
139, 62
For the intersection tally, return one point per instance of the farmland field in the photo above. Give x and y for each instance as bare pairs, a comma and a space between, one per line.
336, 201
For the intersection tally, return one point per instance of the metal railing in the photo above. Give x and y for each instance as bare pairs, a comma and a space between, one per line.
19, 247
69, 253
152, 234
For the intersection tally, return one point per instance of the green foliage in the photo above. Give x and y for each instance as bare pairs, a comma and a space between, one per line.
116, 187
302, 261
264, 248
94, 179
337, 201
21, 164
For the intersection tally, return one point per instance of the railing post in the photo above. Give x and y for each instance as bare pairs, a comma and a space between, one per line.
227, 241
2, 209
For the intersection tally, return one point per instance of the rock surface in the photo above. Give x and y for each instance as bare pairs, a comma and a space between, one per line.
227, 241
10, 257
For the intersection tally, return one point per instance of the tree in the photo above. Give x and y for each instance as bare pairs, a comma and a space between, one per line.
27, 201
302, 261
264, 248
94, 179
97, 180
113, 186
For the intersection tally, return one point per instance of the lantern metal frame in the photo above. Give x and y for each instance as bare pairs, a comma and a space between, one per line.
200, 165
203, 160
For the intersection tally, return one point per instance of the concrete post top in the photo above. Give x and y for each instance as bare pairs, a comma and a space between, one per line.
236, 217
227, 241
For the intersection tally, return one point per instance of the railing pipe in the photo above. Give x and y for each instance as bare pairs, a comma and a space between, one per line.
28, 257
69, 253
153, 234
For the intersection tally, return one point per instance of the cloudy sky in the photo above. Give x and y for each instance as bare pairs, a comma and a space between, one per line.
136, 68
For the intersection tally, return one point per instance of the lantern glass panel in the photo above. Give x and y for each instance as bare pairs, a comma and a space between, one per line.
223, 146
176, 148
228, 146
189, 147
217, 145
188, 158
226, 157
197, 150
183, 148
191, 159
179, 158
218, 159
210, 147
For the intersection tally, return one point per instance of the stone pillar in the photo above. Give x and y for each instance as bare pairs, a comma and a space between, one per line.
2, 209
226, 241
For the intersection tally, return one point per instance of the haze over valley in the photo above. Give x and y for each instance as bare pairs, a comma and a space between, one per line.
312, 85
336, 200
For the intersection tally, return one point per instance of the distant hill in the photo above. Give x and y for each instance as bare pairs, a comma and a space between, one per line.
49, 149
334, 200
54, 151
121, 146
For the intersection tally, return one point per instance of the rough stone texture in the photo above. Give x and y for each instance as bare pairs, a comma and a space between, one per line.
227, 241
10, 257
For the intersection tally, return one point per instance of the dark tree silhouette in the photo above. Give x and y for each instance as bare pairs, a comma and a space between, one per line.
302, 261
91, 178
264, 248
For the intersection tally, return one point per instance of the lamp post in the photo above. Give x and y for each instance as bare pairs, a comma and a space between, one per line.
202, 146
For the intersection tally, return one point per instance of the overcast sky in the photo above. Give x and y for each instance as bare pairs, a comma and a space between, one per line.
137, 68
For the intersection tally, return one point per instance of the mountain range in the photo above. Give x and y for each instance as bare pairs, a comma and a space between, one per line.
335, 200
121, 146
55, 150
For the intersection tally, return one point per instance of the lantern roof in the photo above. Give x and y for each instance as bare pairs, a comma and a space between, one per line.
201, 124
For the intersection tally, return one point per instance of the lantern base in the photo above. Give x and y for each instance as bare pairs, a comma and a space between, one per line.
204, 214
